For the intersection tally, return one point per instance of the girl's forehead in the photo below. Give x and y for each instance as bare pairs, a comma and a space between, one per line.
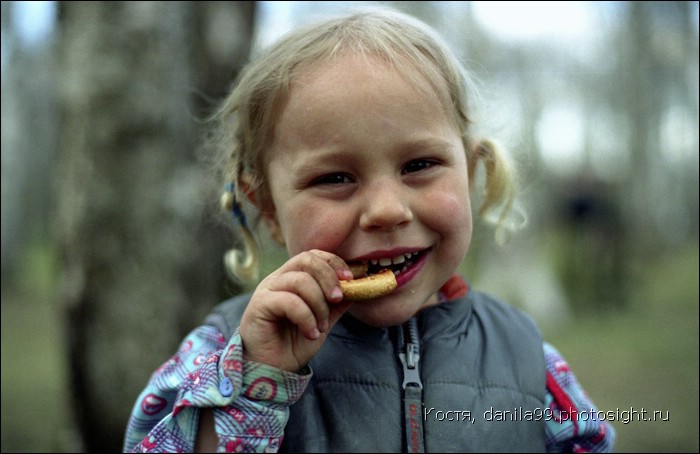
374, 67
351, 79
427, 79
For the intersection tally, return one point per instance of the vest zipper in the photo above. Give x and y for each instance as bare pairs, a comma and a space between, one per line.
409, 356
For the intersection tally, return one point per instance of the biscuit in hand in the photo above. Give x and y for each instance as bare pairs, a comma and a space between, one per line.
369, 287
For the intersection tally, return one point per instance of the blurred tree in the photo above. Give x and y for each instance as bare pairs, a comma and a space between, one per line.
28, 141
588, 236
141, 253
657, 76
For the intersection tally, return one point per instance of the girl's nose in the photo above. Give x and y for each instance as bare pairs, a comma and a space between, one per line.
385, 207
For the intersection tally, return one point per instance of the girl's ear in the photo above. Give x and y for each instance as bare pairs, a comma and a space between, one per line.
265, 206
270, 218
247, 187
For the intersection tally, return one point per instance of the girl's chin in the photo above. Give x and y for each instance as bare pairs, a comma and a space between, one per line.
379, 321
388, 311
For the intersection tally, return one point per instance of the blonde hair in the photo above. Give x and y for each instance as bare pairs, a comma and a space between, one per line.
246, 119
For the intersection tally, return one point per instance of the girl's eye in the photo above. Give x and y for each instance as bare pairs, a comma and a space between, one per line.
331, 179
418, 164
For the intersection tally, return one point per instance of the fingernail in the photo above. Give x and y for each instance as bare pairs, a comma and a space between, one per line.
315, 334
347, 274
324, 325
336, 294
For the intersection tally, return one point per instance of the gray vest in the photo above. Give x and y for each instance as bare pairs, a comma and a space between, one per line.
465, 375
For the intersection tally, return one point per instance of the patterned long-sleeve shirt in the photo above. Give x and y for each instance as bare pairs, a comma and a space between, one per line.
251, 402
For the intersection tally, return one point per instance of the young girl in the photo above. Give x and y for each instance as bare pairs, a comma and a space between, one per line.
351, 139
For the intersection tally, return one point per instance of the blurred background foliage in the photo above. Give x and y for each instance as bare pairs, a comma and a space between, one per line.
111, 248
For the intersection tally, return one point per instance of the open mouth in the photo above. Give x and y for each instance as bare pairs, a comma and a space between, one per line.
399, 264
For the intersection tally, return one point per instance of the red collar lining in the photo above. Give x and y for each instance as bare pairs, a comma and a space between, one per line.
454, 288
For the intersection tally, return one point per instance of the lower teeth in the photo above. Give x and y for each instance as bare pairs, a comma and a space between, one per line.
403, 270
406, 265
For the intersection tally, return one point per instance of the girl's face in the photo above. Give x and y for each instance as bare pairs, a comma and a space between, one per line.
366, 166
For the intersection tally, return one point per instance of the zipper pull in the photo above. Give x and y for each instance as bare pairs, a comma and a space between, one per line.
411, 356
409, 360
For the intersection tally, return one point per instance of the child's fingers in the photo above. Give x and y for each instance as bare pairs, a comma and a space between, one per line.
295, 309
324, 267
271, 326
341, 269
304, 286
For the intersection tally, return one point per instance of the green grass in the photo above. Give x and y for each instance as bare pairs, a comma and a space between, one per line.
35, 405
645, 357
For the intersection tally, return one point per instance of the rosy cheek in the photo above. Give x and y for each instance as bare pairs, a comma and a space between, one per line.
450, 210
316, 228
450, 217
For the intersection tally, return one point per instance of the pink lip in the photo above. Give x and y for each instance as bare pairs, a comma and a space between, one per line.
405, 277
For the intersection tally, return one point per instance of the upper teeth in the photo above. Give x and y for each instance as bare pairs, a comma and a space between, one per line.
394, 260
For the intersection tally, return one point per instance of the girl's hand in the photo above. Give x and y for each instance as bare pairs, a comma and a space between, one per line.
293, 309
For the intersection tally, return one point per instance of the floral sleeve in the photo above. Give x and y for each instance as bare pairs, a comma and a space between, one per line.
251, 400
574, 425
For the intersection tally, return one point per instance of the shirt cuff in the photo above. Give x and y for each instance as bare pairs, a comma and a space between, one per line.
258, 382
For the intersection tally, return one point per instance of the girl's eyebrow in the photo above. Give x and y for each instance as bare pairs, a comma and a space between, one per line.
432, 143
314, 158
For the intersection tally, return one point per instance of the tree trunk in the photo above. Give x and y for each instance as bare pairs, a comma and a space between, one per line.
141, 250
